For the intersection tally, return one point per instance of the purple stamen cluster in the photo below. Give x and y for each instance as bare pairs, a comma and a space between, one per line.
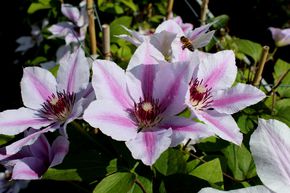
200, 95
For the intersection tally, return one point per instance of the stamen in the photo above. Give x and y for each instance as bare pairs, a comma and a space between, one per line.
200, 95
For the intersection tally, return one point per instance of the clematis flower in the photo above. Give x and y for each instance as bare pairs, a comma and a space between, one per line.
11, 186
50, 102
280, 36
270, 148
211, 98
75, 30
27, 42
186, 27
32, 161
167, 39
139, 106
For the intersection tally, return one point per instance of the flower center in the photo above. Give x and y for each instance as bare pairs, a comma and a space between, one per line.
200, 95
58, 107
147, 113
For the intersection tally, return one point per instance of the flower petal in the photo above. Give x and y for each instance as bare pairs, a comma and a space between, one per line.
29, 168
61, 29
253, 189
37, 85
16, 121
109, 82
222, 125
136, 38
162, 41
218, 70
73, 73
71, 12
146, 53
15, 147
59, 149
169, 26
148, 145
270, 147
237, 98
111, 119
40, 148
183, 128
170, 86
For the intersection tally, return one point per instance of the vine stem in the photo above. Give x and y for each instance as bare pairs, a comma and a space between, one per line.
106, 41
203, 11
263, 60
169, 9
92, 29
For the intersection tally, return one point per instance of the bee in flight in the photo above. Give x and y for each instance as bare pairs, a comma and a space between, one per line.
186, 43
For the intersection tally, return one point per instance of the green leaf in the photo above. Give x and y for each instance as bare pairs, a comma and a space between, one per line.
117, 182
240, 161
145, 183
245, 123
249, 48
118, 9
117, 29
62, 175
171, 161
282, 111
5, 138
280, 68
212, 144
38, 6
38, 60
210, 171
124, 53
130, 4
220, 21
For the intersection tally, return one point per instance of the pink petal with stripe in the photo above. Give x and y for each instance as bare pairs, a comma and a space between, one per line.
222, 125
169, 26
270, 147
237, 98
16, 121
146, 53
149, 145
218, 70
183, 128
109, 82
111, 119
37, 85
59, 150
73, 73
71, 12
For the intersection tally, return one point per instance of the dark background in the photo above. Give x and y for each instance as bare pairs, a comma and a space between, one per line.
249, 19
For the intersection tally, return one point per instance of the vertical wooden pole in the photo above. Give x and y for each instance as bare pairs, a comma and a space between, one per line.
258, 74
106, 41
203, 11
92, 29
169, 8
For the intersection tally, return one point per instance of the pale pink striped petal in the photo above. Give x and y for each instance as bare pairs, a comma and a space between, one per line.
162, 41
59, 149
280, 36
135, 38
109, 82
270, 147
170, 86
203, 39
183, 128
18, 145
71, 12
61, 29
218, 70
16, 121
111, 119
237, 98
29, 168
148, 145
179, 54
169, 26
37, 85
146, 53
73, 73
198, 31
222, 125
253, 189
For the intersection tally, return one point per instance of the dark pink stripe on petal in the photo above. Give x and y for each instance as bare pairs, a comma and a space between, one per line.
149, 141
231, 100
122, 121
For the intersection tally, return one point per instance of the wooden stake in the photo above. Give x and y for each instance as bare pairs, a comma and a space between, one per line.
92, 29
258, 74
169, 8
106, 41
203, 11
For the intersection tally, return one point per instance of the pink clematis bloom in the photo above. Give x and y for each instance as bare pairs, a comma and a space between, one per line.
50, 102
186, 27
75, 30
270, 148
32, 161
280, 36
139, 105
211, 98
167, 39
